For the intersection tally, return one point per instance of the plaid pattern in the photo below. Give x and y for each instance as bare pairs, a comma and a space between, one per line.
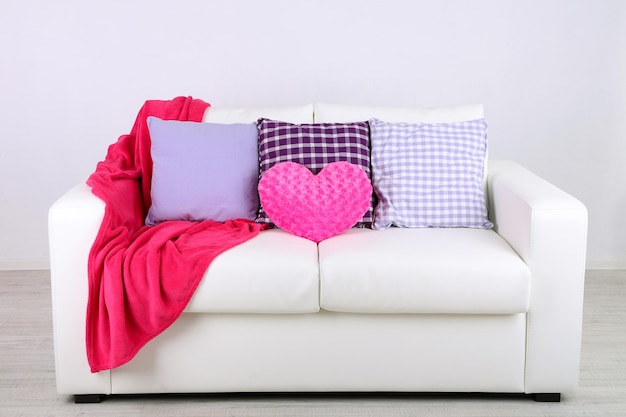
429, 175
314, 146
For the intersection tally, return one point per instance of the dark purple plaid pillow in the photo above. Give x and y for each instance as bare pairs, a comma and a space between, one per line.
314, 146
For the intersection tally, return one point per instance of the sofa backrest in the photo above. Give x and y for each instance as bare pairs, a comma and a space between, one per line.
292, 114
340, 113
335, 113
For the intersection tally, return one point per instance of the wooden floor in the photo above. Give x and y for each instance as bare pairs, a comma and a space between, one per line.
27, 371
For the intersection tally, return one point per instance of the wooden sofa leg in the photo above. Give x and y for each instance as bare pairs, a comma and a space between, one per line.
548, 397
88, 398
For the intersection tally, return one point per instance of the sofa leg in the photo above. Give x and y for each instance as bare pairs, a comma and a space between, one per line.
88, 398
548, 397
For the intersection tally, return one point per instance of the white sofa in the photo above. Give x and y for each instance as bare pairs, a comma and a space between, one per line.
411, 310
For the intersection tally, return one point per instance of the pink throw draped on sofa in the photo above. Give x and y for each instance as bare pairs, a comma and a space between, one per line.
141, 278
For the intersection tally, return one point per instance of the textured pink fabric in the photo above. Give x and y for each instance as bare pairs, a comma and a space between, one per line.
319, 206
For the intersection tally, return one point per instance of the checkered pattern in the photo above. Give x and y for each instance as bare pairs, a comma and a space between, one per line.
314, 146
429, 175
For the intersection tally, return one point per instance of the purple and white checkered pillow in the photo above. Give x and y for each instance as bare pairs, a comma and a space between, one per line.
429, 175
314, 145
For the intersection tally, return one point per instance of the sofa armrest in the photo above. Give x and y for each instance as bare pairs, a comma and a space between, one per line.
548, 229
73, 224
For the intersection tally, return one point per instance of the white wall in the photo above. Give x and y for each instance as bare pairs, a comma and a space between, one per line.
73, 73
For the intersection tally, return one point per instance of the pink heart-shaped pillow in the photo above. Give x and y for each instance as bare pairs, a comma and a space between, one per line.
319, 206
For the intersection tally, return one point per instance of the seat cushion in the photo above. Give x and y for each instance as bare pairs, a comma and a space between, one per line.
275, 272
430, 270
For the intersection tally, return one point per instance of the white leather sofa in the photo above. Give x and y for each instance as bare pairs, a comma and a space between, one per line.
410, 310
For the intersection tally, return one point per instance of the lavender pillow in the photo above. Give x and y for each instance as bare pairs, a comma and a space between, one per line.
314, 145
429, 174
203, 171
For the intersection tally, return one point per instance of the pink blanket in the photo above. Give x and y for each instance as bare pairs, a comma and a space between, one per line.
141, 278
